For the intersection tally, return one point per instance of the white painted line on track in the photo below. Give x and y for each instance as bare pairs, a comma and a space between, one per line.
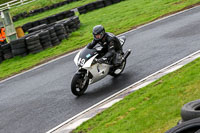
78, 123
110, 103
142, 85
117, 35
173, 69
113, 98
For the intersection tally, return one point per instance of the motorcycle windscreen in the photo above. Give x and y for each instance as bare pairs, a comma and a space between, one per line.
85, 55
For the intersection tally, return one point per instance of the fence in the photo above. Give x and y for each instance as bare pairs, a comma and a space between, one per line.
14, 3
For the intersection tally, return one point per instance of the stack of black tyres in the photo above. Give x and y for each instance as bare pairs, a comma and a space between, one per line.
51, 19
43, 21
69, 13
190, 110
99, 4
35, 23
82, 9
45, 39
39, 27
18, 47
190, 126
90, 6
190, 122
60, 31
76, 21
60, 16
40, 10
1, 54
33, 44
27, 26
96, 5
66, 24
53, 37
7, 52
48, 20
115, 1
107, 2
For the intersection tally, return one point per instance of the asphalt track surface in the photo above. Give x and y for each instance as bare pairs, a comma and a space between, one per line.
39, 100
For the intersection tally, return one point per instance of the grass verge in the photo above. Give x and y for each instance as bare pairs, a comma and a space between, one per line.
32, 6
152, 109
116, 18
51, 12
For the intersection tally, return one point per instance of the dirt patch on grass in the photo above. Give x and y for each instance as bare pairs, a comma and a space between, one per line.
159, 82
180, 2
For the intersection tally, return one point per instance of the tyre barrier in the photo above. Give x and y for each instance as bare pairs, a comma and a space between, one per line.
40, 38
45, 39
96, 5
1, 55
60, 31
190, 110
190, 122
33, 44
39, 27
7, 52
53, 37
48, 20
191, 126
40, 10
18, 47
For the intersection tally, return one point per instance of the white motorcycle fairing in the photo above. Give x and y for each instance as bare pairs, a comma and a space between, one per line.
97, 70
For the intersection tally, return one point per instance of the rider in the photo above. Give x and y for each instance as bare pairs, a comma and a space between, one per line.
110, 43
2, 36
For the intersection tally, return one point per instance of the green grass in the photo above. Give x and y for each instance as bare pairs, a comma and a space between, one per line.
152, 109
32, 6
51, 12
116, 18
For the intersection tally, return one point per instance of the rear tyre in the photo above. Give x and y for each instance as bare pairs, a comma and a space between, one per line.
118, 70
79, 85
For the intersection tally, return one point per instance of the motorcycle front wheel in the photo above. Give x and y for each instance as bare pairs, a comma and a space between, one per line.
79, 84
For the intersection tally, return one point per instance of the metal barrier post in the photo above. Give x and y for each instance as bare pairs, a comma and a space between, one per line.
9, 26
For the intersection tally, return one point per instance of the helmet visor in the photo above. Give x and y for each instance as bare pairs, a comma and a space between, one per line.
98, 36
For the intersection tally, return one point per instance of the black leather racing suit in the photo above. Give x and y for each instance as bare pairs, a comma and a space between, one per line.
111, 45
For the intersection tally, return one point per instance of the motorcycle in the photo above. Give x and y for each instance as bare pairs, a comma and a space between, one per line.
91, 71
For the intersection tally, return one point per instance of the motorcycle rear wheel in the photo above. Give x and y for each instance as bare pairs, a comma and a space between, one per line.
78, 87
118, 70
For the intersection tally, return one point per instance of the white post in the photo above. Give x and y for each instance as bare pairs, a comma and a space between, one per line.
8, 5
22, 1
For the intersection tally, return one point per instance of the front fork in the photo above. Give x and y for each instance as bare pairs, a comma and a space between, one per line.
85, 76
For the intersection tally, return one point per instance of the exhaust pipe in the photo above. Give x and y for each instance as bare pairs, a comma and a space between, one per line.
126, 54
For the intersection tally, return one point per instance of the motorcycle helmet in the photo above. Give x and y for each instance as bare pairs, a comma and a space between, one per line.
98, 32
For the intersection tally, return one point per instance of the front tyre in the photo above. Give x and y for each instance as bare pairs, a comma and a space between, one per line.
79, 84
118, 70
